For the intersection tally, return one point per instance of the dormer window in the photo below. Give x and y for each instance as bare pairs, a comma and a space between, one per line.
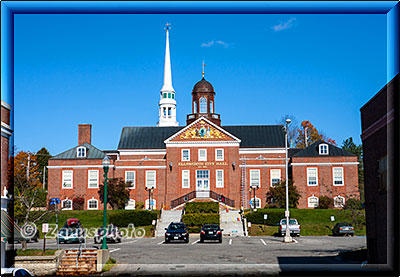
323, 149
81, 152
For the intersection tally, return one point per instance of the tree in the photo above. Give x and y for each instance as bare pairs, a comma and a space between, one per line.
292, 127
325, 202
43, 157
357, 150
28, 192
277, 195
117, 193
312, 135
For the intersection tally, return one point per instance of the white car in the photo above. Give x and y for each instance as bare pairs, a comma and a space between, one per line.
15, 271
294, 227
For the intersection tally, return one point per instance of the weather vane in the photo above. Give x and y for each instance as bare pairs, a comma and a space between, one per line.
203, 67
167, 26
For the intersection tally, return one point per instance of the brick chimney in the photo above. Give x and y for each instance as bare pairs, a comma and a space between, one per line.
85, 133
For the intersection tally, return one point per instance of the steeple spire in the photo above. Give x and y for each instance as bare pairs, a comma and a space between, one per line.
167, 104
167, 85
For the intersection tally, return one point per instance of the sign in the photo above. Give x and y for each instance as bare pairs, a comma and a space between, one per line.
45, 228
332, 218
249, 224
286, 213
54, 201
265, 216
153, 222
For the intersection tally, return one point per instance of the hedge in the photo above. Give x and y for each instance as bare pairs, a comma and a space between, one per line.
196, 220
135, 217
274, 216
201, 207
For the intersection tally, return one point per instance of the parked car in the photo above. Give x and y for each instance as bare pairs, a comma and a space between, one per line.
343, 229
18, 237
176, 231
15, 271
211, 232
294, 227
113, 234
71, 232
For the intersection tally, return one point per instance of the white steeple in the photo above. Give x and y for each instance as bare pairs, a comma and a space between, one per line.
167, 104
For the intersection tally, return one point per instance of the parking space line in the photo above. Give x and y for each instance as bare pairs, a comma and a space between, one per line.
230, 241
195, 241
113, 250
263, 241
295, 241
128, 242
160, 242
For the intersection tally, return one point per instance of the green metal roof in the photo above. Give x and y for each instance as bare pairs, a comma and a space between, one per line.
91, 153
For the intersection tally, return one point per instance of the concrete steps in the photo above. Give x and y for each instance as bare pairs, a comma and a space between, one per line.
230, 221
87, 262
167, 216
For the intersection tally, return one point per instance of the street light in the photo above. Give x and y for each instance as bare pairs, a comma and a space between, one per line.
150, 190
106, 164
254, 197
287, 238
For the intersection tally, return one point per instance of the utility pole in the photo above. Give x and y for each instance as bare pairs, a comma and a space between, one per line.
305, 136
44, 177
27, 168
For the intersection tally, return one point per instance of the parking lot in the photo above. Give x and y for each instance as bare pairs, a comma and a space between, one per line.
232, 250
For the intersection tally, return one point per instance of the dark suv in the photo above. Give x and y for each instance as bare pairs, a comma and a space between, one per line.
211, 232
176, 231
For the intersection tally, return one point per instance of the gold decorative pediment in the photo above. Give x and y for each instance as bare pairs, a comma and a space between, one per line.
203, 131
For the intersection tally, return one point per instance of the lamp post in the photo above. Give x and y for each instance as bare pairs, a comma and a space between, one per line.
287, 238
106, 164
254, 197
150, 190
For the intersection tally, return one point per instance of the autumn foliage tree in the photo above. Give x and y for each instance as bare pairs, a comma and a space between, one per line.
277, 195
313, 135
117, 193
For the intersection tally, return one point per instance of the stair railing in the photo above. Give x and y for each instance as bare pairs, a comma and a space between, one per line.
211, 194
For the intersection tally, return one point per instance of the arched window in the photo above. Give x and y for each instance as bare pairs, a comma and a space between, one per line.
130, 205
211, 107
194, 107
257, 204
81, 152
203, 105
338, 201
66, 204
146, 204
93, 204
313, 202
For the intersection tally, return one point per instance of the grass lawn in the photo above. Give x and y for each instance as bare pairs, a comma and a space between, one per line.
35, 252
109, 264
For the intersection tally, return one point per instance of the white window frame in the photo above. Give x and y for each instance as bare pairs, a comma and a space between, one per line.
308, 176
312, 205
90, 185
216, 154
342, 176
147, 178
130, 201
335, 199
93, 200
219, 183
271, 175
321, 149
204, 159
78, 152
147, 204
182, 157
252, 179
203, 104
63, 179
258, 202
62, 204
133, 185
185, 177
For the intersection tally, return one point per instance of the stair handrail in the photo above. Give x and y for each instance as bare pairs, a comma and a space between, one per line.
212, 194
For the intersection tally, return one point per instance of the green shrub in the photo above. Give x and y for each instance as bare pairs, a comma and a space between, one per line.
198, 220
136, 217
353, 203
201, 207
274, 216
325, 202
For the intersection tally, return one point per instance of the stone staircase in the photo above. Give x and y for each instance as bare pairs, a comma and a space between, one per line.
86, 263
167, 216
231, 222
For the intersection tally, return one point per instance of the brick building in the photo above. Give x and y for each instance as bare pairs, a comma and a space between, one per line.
203, 159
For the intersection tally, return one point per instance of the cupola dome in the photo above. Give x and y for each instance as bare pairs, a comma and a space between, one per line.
203, 86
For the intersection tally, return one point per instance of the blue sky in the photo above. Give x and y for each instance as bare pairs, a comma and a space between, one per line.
107, 70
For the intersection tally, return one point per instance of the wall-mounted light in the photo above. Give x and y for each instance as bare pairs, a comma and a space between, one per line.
233, 165
170, 166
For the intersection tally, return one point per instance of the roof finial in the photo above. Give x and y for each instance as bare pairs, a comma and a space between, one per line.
167, 26
203, 68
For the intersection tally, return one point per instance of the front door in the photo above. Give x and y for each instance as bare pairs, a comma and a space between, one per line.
202, 183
